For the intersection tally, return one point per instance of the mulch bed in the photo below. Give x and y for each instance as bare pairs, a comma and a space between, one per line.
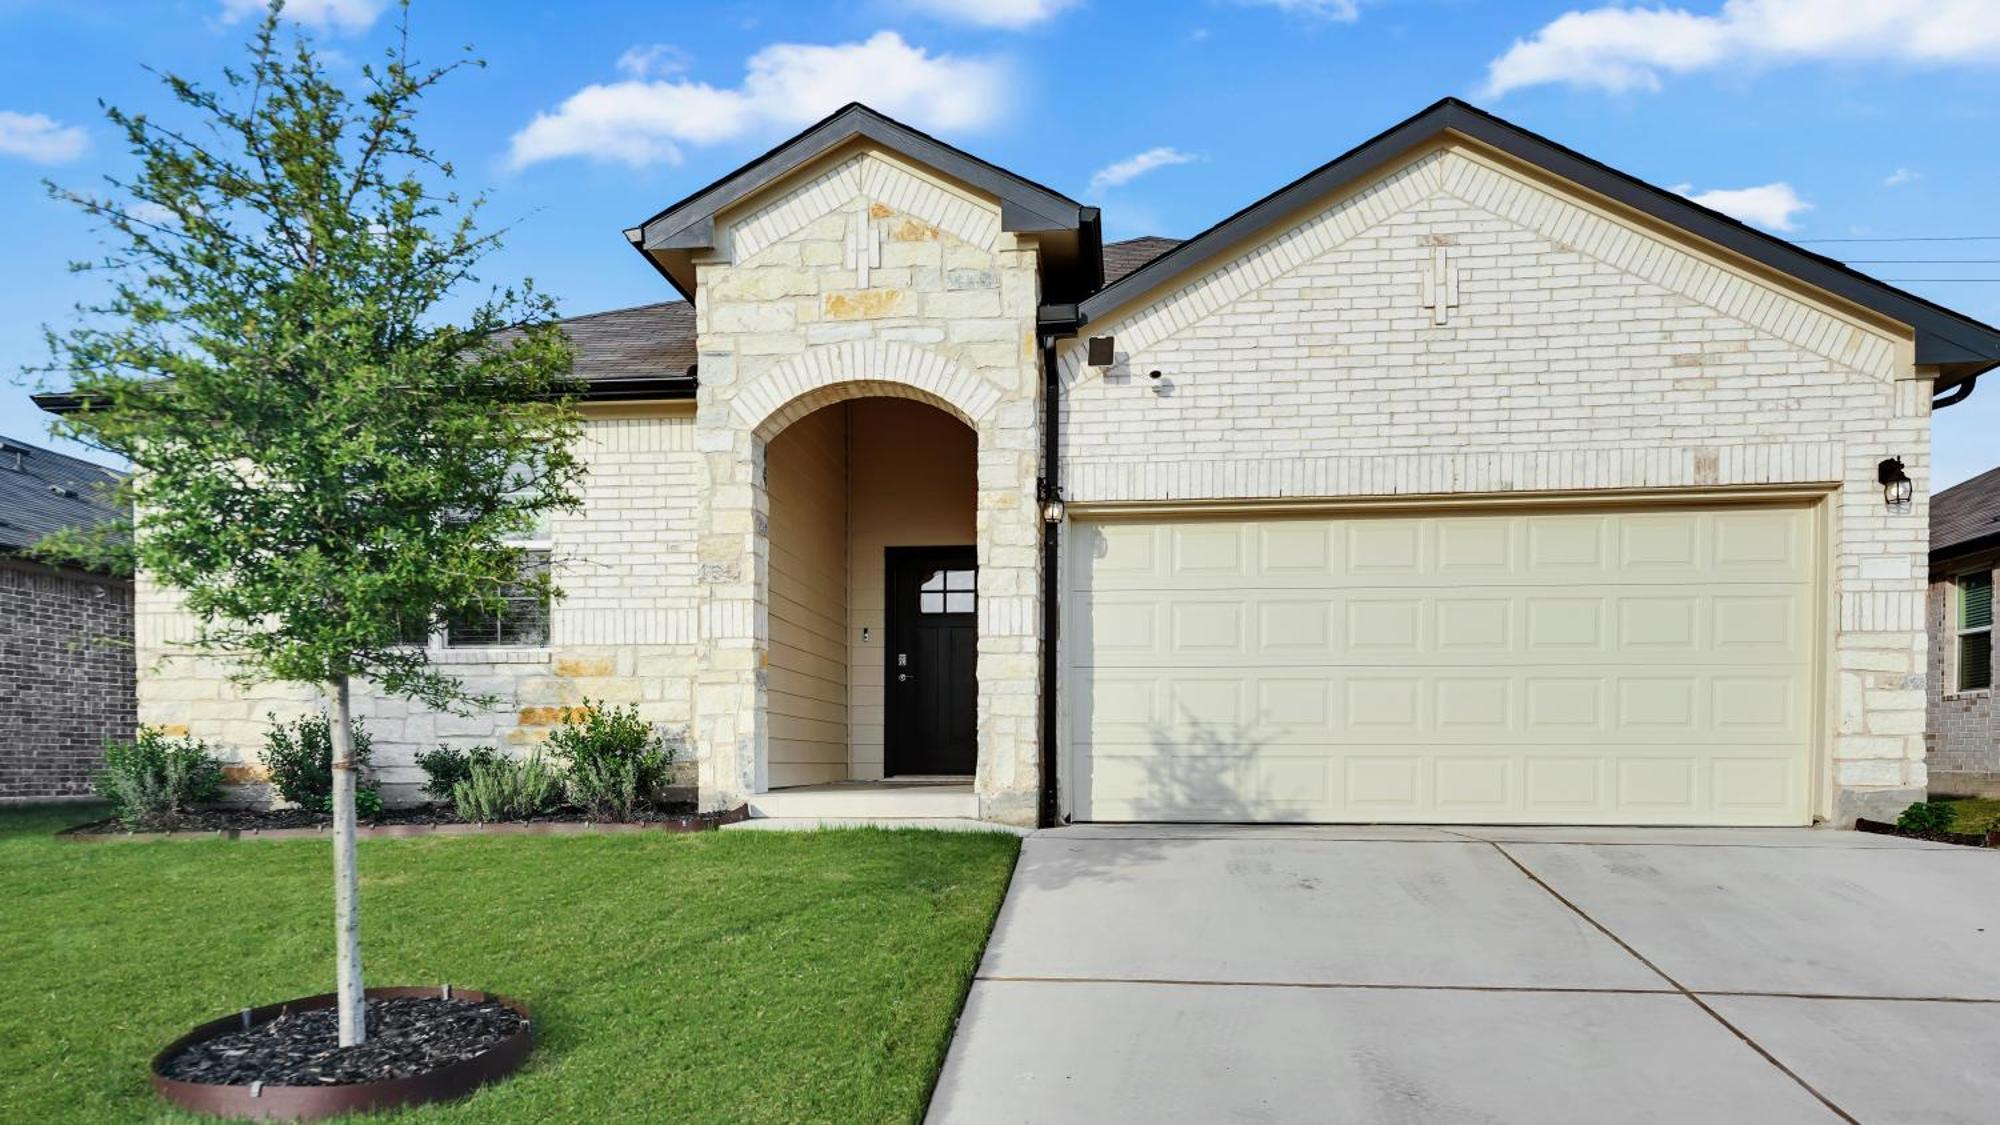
1966, 839
411, 820
407, 1036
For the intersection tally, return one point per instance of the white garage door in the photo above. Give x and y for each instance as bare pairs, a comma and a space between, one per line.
1582, 668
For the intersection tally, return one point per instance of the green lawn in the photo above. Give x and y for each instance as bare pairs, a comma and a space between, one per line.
725, 976
1973, 814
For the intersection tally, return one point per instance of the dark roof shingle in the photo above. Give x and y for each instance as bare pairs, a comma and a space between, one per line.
1966, 514
1121, 258
43, 491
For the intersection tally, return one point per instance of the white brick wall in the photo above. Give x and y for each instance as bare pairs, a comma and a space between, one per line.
1583, 354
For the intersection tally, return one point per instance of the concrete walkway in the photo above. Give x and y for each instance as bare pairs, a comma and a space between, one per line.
1199, 973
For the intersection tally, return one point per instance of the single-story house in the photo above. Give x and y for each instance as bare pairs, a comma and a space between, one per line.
66, 661
1463, 478
1964, 750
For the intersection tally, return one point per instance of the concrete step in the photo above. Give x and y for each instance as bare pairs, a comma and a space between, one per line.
867, 801
814, 823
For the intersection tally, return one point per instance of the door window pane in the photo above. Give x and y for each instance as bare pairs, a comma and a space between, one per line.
930, 603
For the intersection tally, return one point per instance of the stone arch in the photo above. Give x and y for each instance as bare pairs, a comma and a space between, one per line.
833, 373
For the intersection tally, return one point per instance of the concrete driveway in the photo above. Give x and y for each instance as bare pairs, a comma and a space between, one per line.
1197, 973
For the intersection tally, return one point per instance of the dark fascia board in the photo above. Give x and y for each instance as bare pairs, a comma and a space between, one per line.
641, 389
1966, 549
1943, 337
1025, 206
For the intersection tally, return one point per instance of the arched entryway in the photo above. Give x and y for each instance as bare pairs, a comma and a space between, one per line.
871, 592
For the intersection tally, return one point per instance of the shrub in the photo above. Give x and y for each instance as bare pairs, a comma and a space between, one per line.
1926, 816
299, 757
506, 789
151, 780
445, 767
615, 760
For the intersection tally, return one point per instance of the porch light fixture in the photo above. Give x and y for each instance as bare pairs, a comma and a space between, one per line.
1053, 512
1896, 486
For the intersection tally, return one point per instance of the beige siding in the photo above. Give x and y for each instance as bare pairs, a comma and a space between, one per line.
913, 485
806, 470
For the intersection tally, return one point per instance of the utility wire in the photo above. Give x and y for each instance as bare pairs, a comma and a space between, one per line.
1911, 238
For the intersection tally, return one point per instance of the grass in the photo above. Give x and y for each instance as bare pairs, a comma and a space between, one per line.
1973, 814
728, 976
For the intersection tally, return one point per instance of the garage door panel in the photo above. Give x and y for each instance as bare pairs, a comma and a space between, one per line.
1651, 667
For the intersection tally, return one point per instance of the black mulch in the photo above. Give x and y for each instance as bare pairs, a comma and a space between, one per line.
407, 1036
260, 820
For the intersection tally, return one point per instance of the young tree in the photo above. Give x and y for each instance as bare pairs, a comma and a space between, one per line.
323, 465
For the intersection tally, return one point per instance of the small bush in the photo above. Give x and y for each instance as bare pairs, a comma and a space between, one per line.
445, 767
151, 780
1926, 816
299, 757
615, 760
507, 789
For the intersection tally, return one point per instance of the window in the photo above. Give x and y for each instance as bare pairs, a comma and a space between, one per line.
948, 591
1975, 632
521, 622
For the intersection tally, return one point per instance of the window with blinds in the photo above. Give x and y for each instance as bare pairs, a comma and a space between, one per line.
1975, 632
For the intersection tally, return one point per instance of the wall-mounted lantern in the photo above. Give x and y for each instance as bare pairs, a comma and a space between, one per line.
1053, 512
1896, 487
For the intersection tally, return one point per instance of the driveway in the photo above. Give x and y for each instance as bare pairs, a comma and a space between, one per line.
1199, 973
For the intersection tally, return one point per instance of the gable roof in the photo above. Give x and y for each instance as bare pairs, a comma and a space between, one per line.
670, 237
1966, 516
1950, 340
43, 491
1121, 258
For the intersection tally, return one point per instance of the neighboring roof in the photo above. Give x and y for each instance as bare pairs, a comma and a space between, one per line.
1966, 516
670, 238
43, 491
1121, 258
1944, 338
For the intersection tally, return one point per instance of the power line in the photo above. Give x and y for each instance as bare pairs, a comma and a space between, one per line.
1911, 238
1922, 261
1928, 280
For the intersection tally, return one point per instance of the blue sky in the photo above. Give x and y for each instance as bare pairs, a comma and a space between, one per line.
1818, 119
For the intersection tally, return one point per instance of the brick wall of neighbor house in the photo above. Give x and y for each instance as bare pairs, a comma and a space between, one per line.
1964, 738
66, 677
1583, 353
786, 324
624, 632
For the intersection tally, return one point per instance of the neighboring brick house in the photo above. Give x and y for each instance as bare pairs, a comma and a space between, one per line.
1463, 479
1964, 743
66, 657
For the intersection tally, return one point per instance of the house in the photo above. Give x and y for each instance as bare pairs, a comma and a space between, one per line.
1964, 743
66, 660
1462, 479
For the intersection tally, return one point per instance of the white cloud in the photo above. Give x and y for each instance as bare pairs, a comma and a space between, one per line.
652, 60
1132, 167
1902, 176
639, 122
327, 15
1342, 11
1010, 14
1772, 206
146, 211
1618, 49
41, 139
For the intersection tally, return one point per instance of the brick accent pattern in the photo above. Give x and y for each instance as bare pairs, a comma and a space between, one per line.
66, 678
1964, 739
1582, 353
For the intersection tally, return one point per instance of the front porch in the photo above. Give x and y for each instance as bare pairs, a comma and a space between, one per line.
899, 799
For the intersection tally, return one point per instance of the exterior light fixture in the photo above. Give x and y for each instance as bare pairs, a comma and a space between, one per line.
1053, 512
1896, 486
1102, 351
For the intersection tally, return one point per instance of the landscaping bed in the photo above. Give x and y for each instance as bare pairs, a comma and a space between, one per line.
715, 976
411, 820
1987, 839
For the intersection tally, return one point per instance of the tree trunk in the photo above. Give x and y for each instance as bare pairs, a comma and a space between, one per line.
346, 876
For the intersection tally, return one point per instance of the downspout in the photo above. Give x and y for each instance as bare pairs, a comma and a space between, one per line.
1055, 322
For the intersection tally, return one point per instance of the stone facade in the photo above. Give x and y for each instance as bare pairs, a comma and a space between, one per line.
1964, 736
1462, 327
66, 676
870, 278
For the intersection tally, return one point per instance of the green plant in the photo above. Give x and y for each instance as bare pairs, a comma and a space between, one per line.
1926, 816
445, 767
507, 789
615, 760
299, 757
151, 780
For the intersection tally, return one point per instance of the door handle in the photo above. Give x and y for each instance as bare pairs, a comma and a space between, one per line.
904, 677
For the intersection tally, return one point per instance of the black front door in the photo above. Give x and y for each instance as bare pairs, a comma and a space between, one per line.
933, 643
